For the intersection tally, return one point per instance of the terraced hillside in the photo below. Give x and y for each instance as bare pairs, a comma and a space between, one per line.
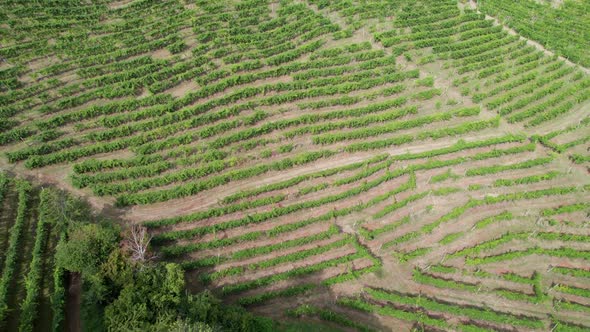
375, 164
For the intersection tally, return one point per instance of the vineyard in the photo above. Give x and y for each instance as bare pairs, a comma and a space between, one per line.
32, 288
367, 165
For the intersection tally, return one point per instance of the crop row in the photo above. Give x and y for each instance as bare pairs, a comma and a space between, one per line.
327, 315
558, 252
486, 170
472, 312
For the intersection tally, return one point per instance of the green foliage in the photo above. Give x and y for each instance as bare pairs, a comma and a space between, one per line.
445, 191
443, 176
486, 170
580, 159
582, 292
425, 278
565, 209
408, 256
215, 212
517, 278
387, 228
427, 82
474, 187
159, 291
572, 271
398, 205
489, 220
127, 132
558, 252
276, 212
3, 185
393, 126
311, 189
527, 179
87, 247
442, 269
450, 238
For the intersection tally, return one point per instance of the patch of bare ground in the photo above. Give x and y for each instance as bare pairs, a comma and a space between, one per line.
273, 5
183, 88
119, 4
73, 302
43, 62
391, 270
161, 54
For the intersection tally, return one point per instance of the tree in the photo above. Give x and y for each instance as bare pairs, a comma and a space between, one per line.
151, 299
88, 246
137, 242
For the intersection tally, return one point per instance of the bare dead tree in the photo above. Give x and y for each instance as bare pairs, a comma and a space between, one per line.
138, 242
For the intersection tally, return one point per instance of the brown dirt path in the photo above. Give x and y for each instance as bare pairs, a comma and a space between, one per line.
73, 302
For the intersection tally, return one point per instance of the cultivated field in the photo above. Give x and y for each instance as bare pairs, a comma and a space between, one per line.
377, 165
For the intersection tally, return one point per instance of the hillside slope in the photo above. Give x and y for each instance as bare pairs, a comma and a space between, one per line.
398, 164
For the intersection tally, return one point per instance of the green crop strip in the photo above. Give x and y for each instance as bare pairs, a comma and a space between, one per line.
327, 315
468, 311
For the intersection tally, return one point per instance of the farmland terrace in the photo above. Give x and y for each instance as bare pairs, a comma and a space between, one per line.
372, 164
